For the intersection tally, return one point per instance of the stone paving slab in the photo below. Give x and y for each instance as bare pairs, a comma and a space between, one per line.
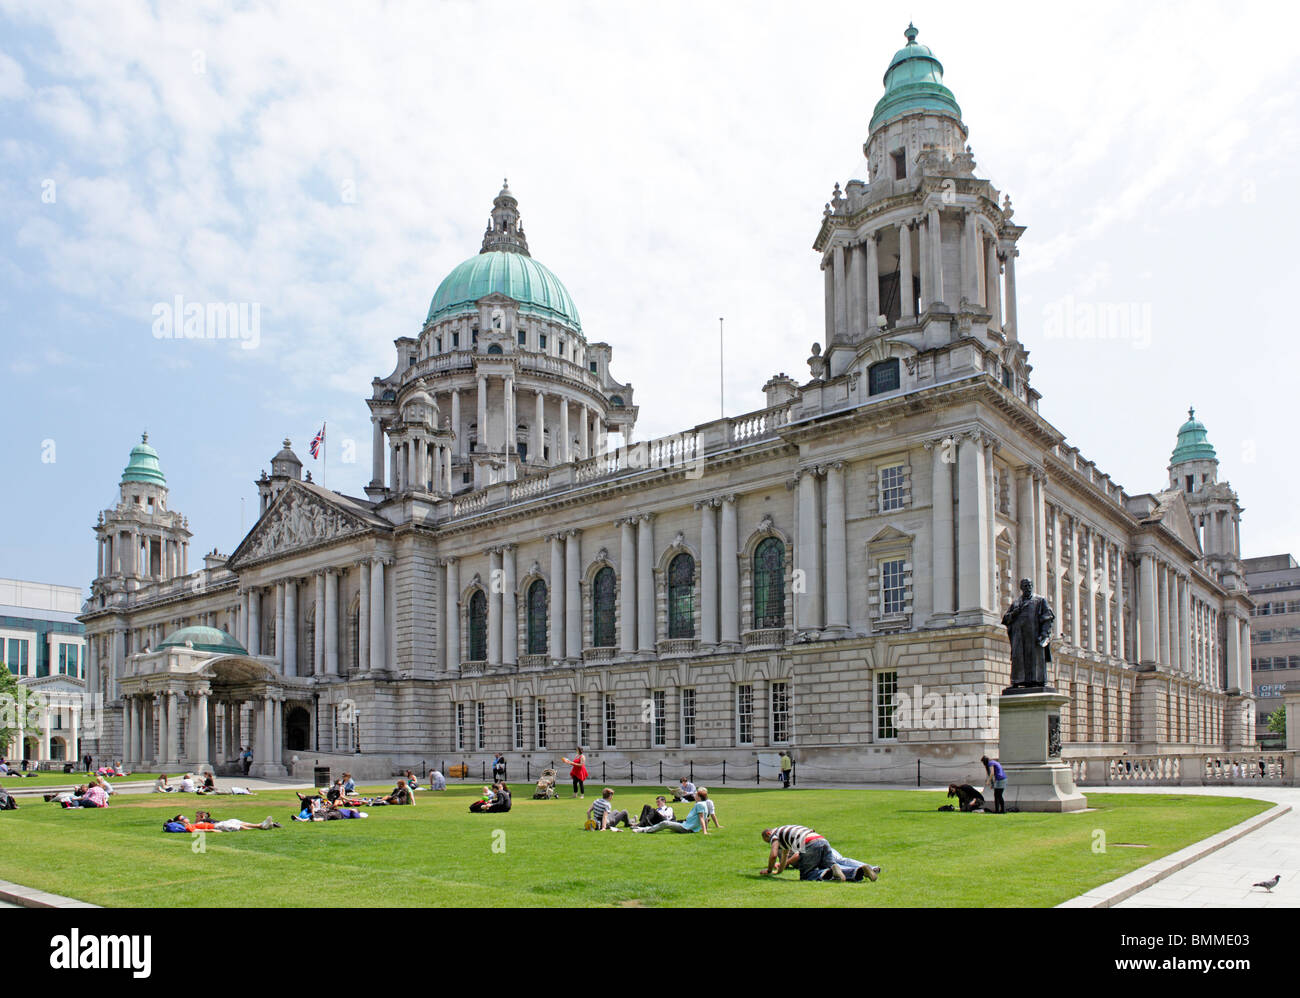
18, 896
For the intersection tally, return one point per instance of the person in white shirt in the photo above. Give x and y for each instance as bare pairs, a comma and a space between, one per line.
187, 784
660, 811
686, 790
708, 803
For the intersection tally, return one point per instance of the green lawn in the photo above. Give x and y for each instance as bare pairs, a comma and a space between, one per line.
437, 854
77, 776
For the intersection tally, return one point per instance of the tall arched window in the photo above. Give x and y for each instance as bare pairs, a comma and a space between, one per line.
769, 584
537, 618
602, 609
478, 626
354, 635
681, 597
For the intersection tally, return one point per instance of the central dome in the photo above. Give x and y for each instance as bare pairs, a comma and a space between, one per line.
537, 290
914, 82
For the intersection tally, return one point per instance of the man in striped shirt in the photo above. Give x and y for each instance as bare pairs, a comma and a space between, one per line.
603, 814
800, 845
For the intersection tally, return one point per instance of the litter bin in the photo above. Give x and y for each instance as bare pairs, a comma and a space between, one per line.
321, 776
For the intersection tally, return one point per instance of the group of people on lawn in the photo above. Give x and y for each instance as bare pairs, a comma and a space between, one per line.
970, 799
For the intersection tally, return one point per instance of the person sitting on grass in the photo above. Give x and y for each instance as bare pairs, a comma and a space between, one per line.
703, 794
498, 803
436, 780
209, 785
602, 815
484, 802
685, 791
92, 795
401, 794
659, 811
161, 786
695, 821
411, 781
104, 785
349, 785
799, 845
968, 798
187, 784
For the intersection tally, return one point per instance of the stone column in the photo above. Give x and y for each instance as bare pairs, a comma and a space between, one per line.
828, 283
627, 586
907, 311
484, 442
331, 661
1009, 254
708, 572
277, 731
837, 575
1148, 644
318, 625
1232, 635
977, 260
378, 618
376, 452
935, 245
841, 296
130, 733
173, 730
279, 626
509, 606
1076, 590
1025, 566
573, 594
993, 300
229, 745
254, 644
942, 455
808, 554
539, 430
1040, 534
923, 258
729, 576
558, 588
584, 433
1107, 565
363, 618
1186, 652
510, 445
452, 615
494, 607
1162, 608
873, 283
291, 627
461, 435
564, 455
199, 719
645, 584
972, 535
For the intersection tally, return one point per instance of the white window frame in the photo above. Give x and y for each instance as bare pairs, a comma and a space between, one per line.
480, 724
659, 719
886, 610
781, 688
517, 718
610, 721
539, 722
745, 714
893, 497
460, 727
884, 685
690, 736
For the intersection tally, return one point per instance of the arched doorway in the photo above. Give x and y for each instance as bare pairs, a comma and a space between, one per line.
58, 750
297, 729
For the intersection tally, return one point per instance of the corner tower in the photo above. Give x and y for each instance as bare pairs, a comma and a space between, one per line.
1216, 511
921, 256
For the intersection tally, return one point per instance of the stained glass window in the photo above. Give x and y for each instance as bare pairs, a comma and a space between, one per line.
602, 609
478, 626
769, 583
537, 618
681, 597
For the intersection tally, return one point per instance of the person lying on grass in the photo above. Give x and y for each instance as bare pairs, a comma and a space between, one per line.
602, 815
204, 822
695, 821
319, 810
799, 845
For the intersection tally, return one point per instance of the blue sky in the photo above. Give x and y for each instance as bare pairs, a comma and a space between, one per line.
329, 163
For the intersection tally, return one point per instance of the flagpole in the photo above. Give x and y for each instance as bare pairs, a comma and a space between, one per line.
324, 457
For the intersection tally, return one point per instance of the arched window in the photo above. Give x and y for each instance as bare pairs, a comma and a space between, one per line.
681, 597
537, 618
616, 401
769, 584
478, 626
602, 609
883, 376
494, 348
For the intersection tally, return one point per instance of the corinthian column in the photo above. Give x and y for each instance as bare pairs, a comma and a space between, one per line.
378, 618
509, 603
494, 607
708, 572
331, 629
729, 575
558, 614
907, 310
808, 554
627, 586
645, 584
572, 596
943, 453
837, 575
972, 537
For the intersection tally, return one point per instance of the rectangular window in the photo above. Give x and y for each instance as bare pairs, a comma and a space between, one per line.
584, 728
688, 717
744, 715
18, 656
523, 338
659, 725
437, 344
900, 164
541, 341
541, 722
611, 722
480, 720
892, 590
63, 660
592, 365
460, 726
886, 702
455, 339
780, 713
891, 488
519, 724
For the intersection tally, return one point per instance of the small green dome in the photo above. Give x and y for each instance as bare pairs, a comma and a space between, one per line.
1193, 442
212, 639
515, 275
914, 82
143, 465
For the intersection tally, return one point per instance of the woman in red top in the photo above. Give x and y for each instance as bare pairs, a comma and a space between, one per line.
578, 773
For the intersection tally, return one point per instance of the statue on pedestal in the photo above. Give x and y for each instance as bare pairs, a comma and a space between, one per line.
1029, 628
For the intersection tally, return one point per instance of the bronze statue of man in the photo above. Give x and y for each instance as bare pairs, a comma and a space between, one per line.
1029, 627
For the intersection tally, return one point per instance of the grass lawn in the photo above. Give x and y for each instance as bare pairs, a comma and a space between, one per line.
437, 854
76, 777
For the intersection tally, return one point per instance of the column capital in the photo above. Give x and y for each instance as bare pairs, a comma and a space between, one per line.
811, 470
573, 532
646, 517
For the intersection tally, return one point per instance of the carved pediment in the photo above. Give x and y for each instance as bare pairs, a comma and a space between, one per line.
297, 520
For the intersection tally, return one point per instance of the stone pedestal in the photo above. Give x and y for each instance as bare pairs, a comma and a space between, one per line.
1030, 752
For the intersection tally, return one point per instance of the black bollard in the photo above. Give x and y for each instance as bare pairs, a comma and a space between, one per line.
758, 778
724, 772
602, 771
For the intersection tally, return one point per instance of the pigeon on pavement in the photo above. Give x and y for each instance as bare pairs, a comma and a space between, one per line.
1268, 885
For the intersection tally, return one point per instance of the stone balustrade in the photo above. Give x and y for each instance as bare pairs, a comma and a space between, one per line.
1236, 769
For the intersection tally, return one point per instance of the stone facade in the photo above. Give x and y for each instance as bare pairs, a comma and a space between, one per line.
826, 574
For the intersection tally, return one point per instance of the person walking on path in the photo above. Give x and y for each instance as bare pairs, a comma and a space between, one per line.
787, 764
997, 779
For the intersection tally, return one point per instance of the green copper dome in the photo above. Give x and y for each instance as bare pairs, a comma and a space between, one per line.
1193, 442
143, 465
515, 275
212, 639
914, 82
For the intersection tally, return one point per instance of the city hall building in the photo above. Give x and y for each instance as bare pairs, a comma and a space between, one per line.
792, 577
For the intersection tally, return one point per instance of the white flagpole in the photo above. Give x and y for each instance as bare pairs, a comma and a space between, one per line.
324, 457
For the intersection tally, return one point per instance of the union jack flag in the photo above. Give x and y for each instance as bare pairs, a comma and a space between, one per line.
318, 442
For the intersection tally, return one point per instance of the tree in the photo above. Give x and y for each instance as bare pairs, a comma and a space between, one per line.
17, 713
1277, 721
